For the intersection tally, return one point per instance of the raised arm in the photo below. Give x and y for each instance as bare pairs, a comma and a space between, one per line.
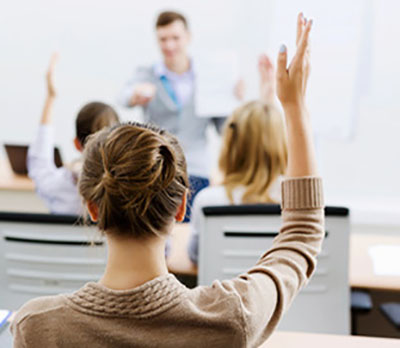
266, 73
40, 161
291, 89
51, 92
266, 290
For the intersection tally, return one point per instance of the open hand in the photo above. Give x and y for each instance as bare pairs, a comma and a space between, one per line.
51, 91
292, 81
239, 89
267, 79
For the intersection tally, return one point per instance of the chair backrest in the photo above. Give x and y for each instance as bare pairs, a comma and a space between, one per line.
43, 254
233, 238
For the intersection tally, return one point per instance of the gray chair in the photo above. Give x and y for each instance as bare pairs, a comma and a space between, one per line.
43, 254
233, 238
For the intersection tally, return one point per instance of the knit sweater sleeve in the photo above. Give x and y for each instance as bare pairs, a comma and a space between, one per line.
18, 337
268, 288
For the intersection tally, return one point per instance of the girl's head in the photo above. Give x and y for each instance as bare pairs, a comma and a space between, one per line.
91, 118
134, 180
254, 151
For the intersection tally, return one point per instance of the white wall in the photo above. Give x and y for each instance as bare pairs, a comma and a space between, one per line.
100, 42
366, 165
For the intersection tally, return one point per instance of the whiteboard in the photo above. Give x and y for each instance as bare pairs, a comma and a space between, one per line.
101, 42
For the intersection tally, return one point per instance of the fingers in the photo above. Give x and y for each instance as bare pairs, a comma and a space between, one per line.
265, 64
303, 45
262, 58
281, 71
142, 100
261, 63
268, 63
300, 27
239, 89
53, 61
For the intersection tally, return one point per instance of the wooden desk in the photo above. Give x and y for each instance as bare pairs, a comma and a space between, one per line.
361, 272
297, 340
291, 340
11, 181
361, 268
17, 192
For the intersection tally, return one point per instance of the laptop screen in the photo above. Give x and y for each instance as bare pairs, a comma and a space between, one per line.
17, 155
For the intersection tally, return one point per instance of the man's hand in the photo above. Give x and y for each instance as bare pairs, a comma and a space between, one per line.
143, 94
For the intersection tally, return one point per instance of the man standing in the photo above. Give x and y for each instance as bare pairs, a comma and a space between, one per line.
166, 92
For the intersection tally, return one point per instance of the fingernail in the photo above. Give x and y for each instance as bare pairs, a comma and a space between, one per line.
305, 20
311, 22
282, 49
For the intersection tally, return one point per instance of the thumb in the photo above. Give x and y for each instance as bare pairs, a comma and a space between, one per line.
281, 65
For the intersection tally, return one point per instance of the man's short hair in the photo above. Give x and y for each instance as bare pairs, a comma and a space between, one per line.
167, 17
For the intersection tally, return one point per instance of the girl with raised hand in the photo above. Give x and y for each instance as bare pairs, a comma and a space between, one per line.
135, 184
58, 186
253, 156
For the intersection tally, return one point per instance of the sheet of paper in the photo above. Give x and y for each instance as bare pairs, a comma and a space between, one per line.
4, 316
385, 259
216, 77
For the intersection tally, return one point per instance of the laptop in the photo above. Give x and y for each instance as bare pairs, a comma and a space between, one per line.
17, 155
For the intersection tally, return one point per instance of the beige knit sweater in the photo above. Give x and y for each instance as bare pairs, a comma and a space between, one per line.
240, 312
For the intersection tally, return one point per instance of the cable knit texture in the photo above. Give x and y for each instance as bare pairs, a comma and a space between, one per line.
145, 301
240, 312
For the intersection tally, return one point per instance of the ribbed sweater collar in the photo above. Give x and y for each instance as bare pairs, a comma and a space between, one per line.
147, 300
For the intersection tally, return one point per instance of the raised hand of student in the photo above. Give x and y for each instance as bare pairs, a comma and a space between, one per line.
239, 90
267, 79
291, 89
51, 91
292, 80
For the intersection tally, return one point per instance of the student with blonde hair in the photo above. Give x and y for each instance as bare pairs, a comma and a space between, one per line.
253, 157
58, 186
134, 182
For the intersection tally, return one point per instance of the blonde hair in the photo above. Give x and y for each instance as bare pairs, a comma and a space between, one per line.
136, 175
254, 151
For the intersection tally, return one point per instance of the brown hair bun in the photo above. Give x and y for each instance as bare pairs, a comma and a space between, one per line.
136, 174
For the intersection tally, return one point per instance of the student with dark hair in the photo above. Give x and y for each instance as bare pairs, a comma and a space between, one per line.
166, 92
135, 185
57, 186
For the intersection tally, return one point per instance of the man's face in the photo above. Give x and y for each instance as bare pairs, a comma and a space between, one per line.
173, 39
